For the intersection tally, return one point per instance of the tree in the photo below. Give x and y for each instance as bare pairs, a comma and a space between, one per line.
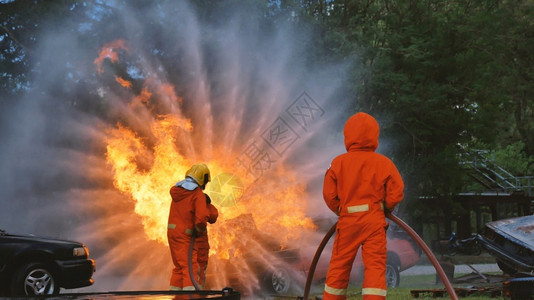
20, 27
436, 74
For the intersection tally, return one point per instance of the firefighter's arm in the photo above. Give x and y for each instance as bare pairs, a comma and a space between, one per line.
201, 212
330, 195
394, 189
214, 214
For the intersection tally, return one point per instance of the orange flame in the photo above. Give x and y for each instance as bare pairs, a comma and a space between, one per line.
268, 213
148, 188
143, 98
125, 83
110, 50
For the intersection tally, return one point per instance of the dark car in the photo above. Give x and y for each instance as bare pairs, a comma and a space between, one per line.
511, 242
31, 265
519, 288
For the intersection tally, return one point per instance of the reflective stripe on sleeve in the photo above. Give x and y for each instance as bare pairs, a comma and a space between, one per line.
334, 291
374, 291
171, 226
175, 288
188, 288
358, 208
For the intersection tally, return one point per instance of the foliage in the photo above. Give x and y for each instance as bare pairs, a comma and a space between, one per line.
434, 73
20, 26
513, 158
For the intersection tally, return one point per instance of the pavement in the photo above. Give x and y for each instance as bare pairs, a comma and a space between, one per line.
225, 294
458, 269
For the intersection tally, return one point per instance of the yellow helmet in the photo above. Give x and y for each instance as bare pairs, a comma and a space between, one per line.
199, 173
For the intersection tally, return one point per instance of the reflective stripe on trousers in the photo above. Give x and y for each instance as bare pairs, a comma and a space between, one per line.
367, 293
179, 244
373, 291
334, 291
350, 236
188, 231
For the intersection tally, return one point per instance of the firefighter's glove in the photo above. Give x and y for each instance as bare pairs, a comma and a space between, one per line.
200, 229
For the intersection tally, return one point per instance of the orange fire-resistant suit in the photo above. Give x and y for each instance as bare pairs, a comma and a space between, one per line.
358, 186
202, 243
188, 214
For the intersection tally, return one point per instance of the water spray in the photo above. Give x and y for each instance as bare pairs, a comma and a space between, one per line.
409, 230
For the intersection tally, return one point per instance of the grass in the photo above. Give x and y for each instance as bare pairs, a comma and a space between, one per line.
407, 285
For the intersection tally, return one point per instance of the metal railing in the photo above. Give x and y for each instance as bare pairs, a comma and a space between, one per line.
492, 176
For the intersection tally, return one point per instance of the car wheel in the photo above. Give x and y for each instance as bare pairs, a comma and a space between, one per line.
278, 280
34, 279
392, 275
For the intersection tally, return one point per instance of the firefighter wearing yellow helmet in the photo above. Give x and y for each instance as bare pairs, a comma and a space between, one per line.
188, 214
200, 173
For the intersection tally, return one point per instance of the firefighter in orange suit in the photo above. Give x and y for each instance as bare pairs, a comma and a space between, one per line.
358, 186
202, 242
188, 215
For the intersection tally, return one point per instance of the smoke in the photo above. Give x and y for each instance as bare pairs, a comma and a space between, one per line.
233, 75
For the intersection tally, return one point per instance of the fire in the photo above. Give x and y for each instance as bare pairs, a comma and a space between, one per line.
111, 51
125, 83
147, 161
143, 98
274, 207
148, 188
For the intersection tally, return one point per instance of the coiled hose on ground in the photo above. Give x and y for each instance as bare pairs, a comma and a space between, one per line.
409, 230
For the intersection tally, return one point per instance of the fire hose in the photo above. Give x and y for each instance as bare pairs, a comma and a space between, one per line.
409, 230
190, 262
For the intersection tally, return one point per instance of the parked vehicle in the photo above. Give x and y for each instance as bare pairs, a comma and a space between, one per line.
511, 242
31, 265
469, 246
284, 270
402, 254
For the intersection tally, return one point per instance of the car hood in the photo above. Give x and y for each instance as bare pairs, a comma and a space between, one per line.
520, 229
39, 239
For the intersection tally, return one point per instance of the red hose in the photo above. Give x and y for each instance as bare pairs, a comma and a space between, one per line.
327, 237
409, 230
429, 254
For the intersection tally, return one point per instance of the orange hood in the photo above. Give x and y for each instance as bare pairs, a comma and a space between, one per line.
361, 133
